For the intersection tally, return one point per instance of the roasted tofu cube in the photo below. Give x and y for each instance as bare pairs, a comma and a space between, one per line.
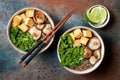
29, 22
23, 17
76, 43
84, 40
29, 13
17, 20
87, 33
77, 33
72, 35
14, 25
23, 27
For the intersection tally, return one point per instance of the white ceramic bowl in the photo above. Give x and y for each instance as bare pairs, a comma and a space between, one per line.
102, 52
21, 11
106, 21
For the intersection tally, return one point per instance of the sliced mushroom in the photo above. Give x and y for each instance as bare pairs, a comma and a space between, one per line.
39, 17
94, 43
97, 54
87, 52
47, 29
43, 34
93, 60
40, 26
35, 32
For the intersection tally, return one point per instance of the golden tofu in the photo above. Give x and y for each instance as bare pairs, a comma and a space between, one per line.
77, 33
23, 17
72, 35
29, 13
23, 27
17, 20
87, 33
14, 25
84, 40
29, 22
76, 43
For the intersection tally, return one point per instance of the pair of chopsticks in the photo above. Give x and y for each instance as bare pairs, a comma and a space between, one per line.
34, 51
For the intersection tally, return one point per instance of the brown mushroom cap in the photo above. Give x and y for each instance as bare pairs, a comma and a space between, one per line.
93, 60
40, 26
97, 54
47, 29
35, 33
87, 52
39, 17
94, 43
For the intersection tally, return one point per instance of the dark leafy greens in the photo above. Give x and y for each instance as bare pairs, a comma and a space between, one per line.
70, 56
22, 40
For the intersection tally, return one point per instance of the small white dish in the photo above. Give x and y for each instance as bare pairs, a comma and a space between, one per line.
21, 11
102, 51
106, 21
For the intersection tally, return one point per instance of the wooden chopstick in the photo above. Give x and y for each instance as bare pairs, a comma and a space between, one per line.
34, 54
26, 55
60, 23
45, 39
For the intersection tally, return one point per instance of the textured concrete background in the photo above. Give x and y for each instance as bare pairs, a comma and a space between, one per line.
46, 66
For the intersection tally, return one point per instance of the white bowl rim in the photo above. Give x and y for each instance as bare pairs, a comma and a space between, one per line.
102, 51
107, 20
19, 12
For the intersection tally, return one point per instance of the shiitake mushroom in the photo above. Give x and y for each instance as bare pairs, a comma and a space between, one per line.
87, 52
94, 43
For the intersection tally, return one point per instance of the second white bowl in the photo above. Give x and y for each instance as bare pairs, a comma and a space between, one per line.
102, 51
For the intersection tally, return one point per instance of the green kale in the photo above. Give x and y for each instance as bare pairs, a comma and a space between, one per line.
70, 56
22, 40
